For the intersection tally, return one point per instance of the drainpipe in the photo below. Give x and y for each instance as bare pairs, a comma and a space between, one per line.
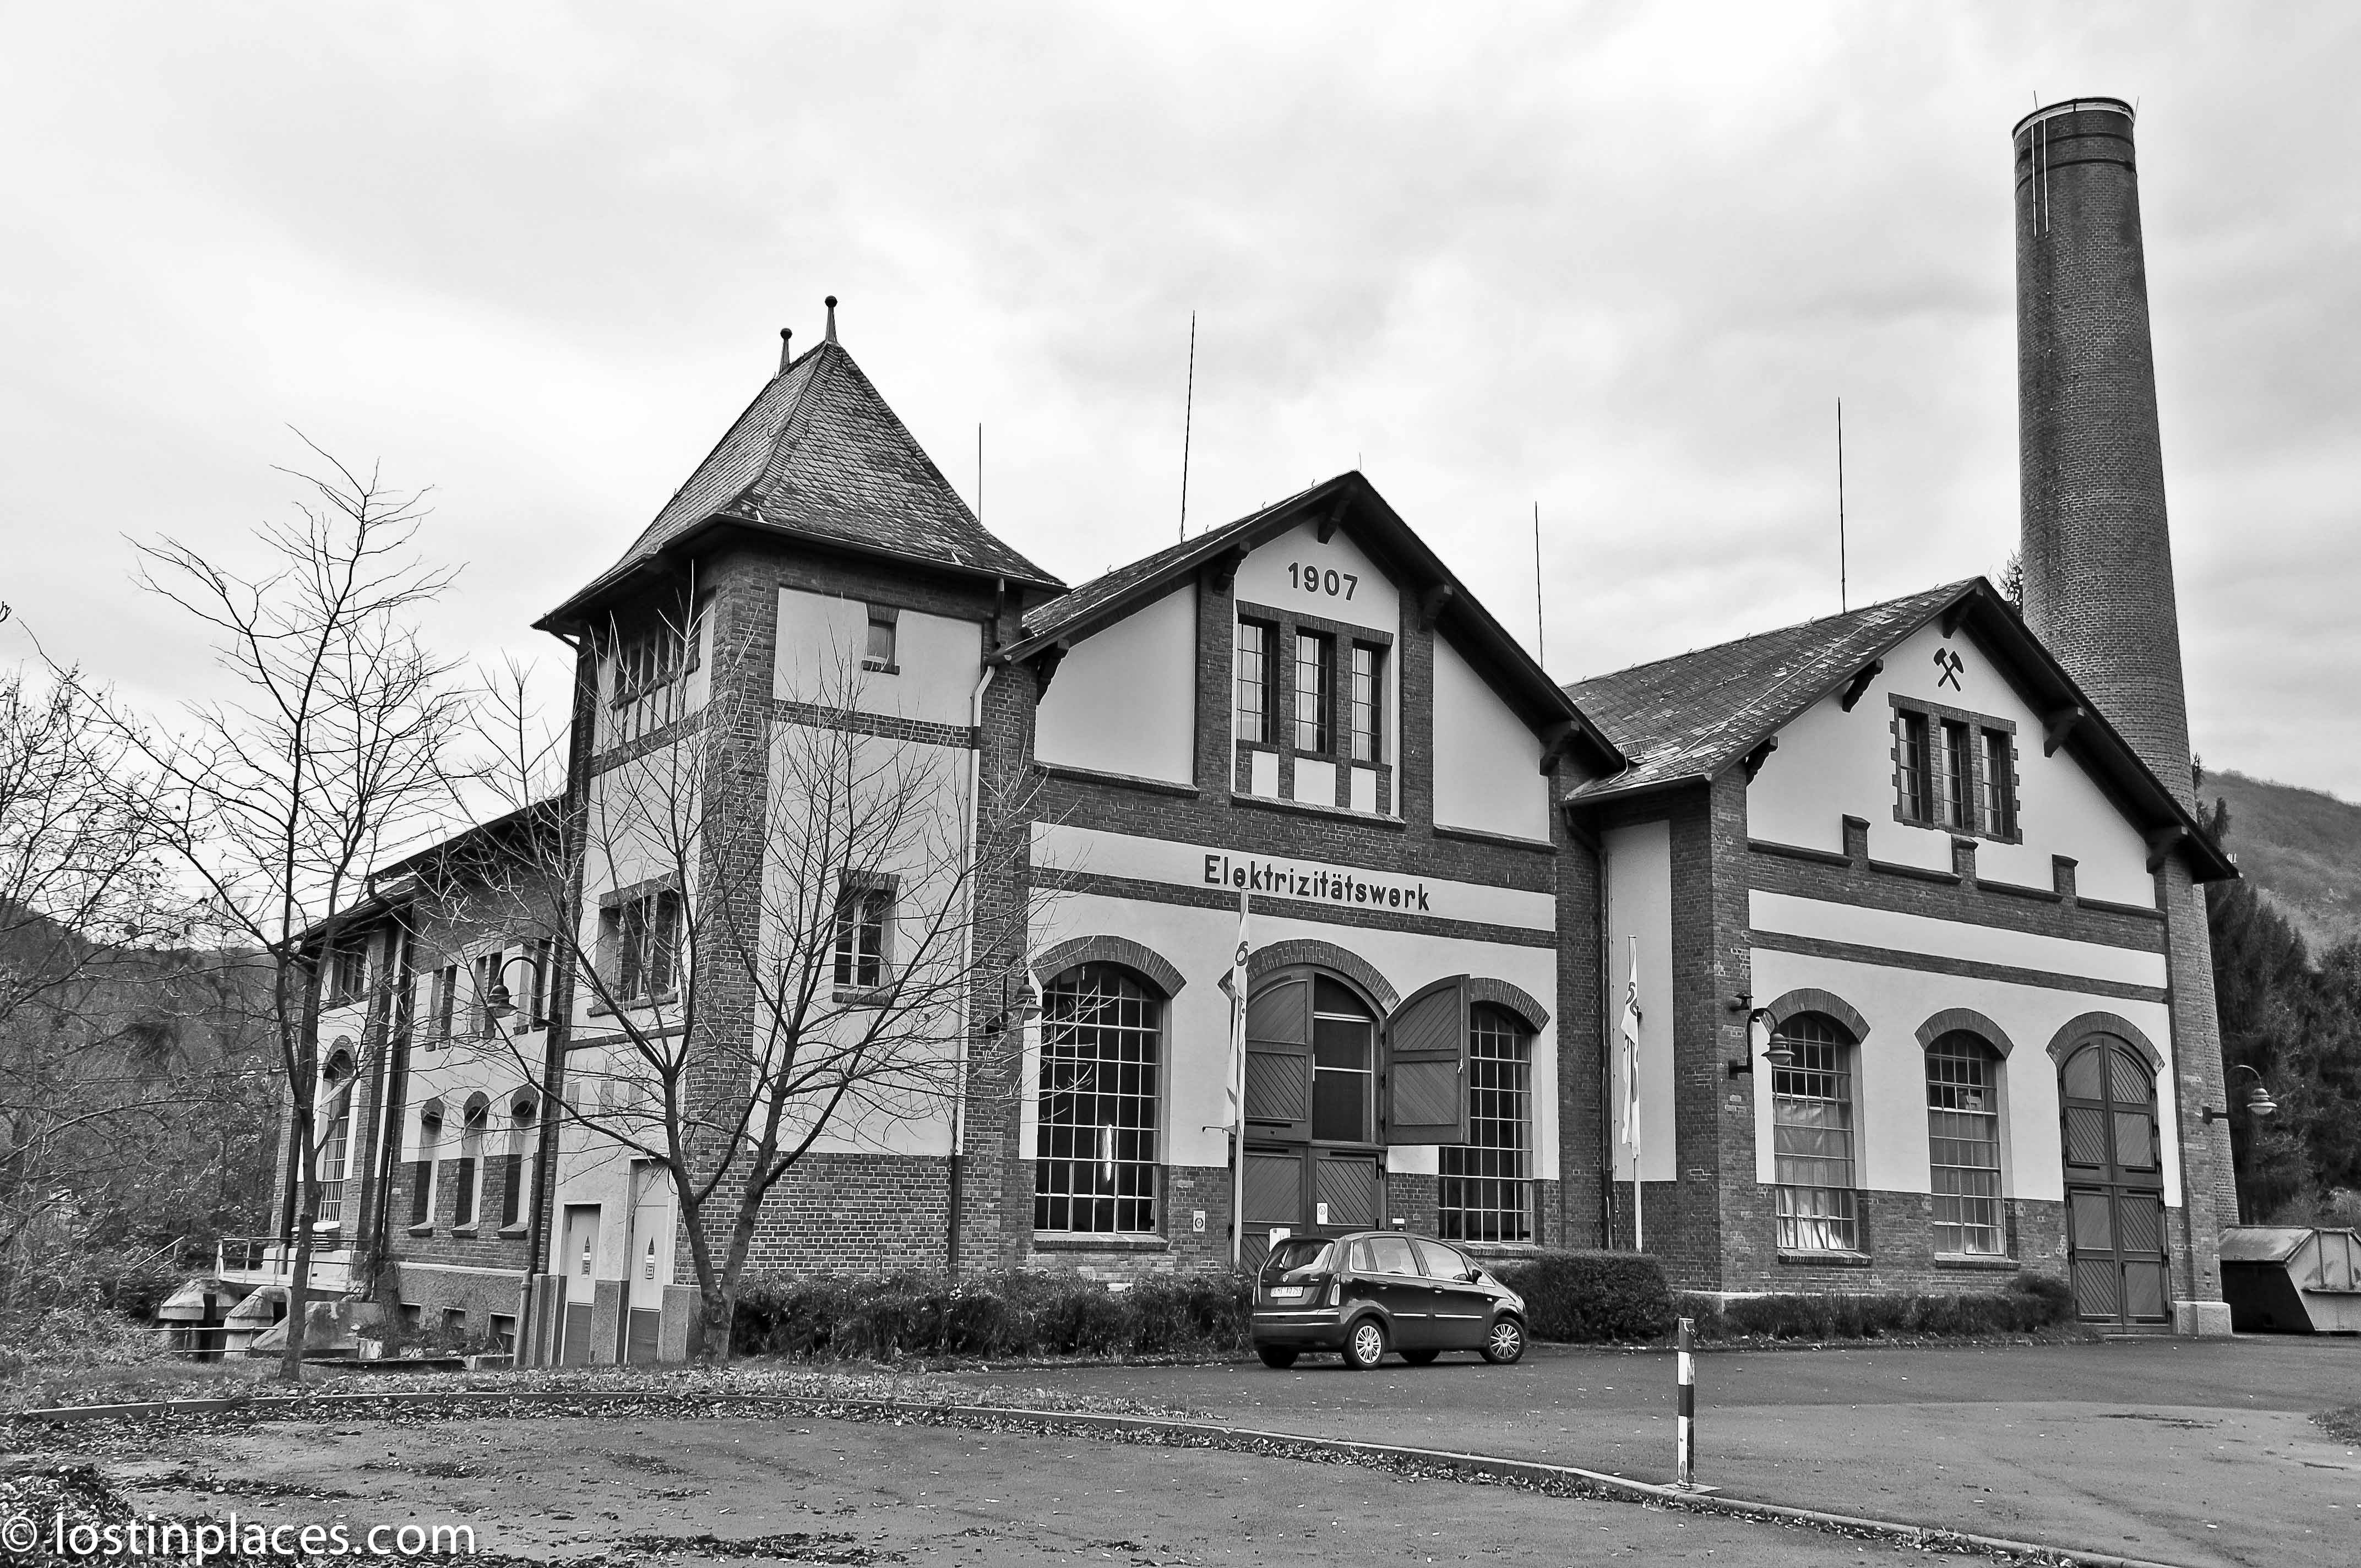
559, 1035
955, 1189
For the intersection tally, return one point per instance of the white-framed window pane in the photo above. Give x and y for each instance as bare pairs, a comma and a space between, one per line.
1963, 1145
1812, 1139
1368, 701
1315, 685
1485, 1192
1096, 1148
1254, 681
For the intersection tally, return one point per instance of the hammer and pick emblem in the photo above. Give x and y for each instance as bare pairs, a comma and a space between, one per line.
1950, 664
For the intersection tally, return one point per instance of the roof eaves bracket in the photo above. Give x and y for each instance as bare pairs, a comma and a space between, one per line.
1860, 682
1045, 666
2056, 726
1432, 600
2161, 844
1760, 755
1556, 740
1224, 568
1953, 616
1330, 519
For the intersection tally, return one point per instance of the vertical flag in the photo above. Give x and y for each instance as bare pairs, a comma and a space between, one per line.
1235, 983
1631, 1029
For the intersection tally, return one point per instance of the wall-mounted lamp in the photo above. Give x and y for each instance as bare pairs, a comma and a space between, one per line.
2258, 1099
498, 1003
1762, 1040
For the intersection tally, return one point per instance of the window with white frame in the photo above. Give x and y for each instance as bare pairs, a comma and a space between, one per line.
348, 969
877, 652
1254, 681
485, 976
640, 934
516, 1184
1486, 1193
1812, 1137
442, 1004
1095, 1151
1964, 1145
864, 921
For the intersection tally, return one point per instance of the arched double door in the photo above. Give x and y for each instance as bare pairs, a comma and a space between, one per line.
1330, 1083
2115, 1231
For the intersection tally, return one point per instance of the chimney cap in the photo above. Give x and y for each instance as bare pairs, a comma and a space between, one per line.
2073, 106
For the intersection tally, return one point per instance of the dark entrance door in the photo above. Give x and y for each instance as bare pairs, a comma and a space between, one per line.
1313, 1162
2115, 1185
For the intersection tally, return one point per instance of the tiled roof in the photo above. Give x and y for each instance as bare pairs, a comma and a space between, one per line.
1079, 605
818, 454
1693, 715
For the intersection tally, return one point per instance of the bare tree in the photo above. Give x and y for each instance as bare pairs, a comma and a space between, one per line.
112, 1027
777, 929
332, 751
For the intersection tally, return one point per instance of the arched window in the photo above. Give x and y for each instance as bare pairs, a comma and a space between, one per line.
1487, 1187
336, 1082
1095, 1152
1963, 1144
523, 1124
1812, 1137
467, 1179
421, 1170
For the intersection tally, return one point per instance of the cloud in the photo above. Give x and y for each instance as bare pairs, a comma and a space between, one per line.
1621, 260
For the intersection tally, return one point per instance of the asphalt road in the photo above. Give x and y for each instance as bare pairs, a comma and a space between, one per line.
2185, 1451
801, 1490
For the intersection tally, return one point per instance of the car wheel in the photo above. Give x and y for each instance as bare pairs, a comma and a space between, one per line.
1365, 1346
1504, 1343
1277, 1357
1421, 1357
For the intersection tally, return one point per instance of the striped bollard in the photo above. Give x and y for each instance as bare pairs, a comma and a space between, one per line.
1687, 1457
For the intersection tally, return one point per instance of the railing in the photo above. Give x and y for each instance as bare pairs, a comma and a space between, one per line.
264, 1260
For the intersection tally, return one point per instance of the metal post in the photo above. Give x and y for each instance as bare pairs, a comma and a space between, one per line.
1685, 1465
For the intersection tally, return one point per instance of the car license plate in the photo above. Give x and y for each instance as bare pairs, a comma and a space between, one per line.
1287, 1292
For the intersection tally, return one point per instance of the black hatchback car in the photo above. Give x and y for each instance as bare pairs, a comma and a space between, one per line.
1373, 1291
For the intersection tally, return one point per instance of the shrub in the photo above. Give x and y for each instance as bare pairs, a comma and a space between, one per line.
2031, 1303
1586, 1297
887, 1317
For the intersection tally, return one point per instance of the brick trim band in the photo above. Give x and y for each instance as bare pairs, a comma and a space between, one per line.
1149, 964
1933, 964
1969, 1019
2085, 1024
1326, 955
1812, 998
1500, 994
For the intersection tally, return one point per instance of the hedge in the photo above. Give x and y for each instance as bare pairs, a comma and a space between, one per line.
1589, 1297
2031, 1303
887, 1317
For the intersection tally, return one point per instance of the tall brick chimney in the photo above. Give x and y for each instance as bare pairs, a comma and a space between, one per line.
2098, 573
2096, 553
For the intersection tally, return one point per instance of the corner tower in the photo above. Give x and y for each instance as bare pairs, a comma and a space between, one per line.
2096, 553
2097, 559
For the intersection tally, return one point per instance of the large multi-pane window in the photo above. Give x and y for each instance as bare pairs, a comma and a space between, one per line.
1315, 687
1369, 700
1254, 681
1963, 1144
1095, 1152
337, 1078
1910, 751
1487, 1184
1812, 1137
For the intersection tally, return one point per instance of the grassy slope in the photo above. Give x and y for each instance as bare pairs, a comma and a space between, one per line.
2302, 847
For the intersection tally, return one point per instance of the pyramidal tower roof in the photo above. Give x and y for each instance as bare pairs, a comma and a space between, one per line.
818, 455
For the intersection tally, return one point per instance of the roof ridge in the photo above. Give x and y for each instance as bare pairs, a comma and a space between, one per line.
1766, 632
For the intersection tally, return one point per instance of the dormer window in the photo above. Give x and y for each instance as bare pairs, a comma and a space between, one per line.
877, 653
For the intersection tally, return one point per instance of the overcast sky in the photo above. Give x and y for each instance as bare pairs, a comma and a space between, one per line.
1618, 261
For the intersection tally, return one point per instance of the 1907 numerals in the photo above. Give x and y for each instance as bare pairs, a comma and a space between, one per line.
1303, 575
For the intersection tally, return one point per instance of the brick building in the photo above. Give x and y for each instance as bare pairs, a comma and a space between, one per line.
1869, 947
